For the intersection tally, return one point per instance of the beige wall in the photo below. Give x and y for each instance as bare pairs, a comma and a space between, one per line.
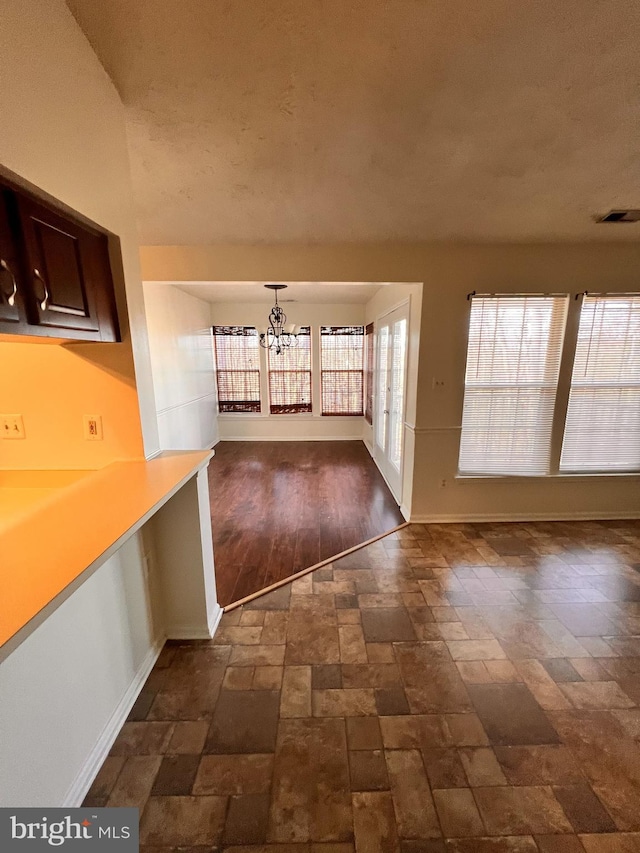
448, 274
62, 130
551, 269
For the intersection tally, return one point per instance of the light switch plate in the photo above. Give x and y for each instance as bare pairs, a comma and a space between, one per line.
11, 426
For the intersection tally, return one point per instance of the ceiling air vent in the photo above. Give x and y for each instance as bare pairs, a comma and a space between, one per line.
621, 216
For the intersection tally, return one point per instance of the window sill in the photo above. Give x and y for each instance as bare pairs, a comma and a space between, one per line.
567, 478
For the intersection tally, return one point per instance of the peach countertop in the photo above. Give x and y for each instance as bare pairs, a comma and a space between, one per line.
55, 524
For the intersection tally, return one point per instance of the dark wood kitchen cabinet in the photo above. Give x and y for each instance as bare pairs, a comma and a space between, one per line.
12, 316
55, 273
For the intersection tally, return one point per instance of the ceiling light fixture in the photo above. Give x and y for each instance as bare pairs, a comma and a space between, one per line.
278, 335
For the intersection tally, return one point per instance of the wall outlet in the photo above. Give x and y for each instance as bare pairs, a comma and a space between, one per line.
93, 427
437, 384
443, 483
11, 426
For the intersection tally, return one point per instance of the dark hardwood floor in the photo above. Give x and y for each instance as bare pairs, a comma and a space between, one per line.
281, 506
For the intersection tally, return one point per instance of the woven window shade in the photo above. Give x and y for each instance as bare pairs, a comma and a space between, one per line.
290, 377
341, 357
368, 376
513, 362
237, 368
602, 429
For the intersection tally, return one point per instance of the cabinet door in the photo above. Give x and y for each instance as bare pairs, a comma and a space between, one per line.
60, 260
11, 305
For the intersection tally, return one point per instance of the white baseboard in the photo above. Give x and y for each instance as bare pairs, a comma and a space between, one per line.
196, 632
83, 781
214, 619
477, 517
406, 512
369, 448
188, 632
384, 477
293, 438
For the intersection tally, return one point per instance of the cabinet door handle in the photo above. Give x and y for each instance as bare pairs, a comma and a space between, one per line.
45, 298
11, 299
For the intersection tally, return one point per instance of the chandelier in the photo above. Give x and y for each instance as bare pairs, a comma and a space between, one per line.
278, 335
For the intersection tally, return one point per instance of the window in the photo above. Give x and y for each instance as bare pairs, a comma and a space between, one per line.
237, 368
368, 345
341, 355
513, 361
290, 377
602, 429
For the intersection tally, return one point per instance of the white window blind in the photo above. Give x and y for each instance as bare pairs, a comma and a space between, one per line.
602, 430
290, 376
513, 361
342, 375
237, 368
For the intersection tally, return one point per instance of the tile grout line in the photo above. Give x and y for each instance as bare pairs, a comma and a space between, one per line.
554, 772
234, 604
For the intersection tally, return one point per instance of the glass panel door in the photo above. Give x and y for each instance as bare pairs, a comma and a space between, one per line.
392, 335
396, 407
382, 411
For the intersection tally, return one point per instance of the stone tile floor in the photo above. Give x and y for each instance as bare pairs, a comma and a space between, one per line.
460, 688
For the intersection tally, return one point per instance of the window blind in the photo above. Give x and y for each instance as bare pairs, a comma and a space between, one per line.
290, 377
602, 429
341, 357
368, 346
237, 368
513, 361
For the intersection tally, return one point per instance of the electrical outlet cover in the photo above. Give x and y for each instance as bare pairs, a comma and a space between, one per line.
92, 427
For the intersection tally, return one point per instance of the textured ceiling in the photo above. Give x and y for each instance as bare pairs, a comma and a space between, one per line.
312, 292
367, 120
